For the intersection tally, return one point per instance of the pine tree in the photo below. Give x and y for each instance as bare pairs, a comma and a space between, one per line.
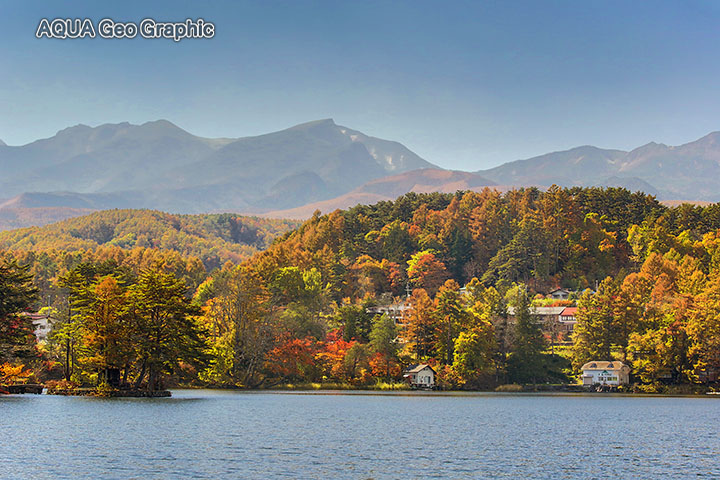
526, 360
594, 334
17, 294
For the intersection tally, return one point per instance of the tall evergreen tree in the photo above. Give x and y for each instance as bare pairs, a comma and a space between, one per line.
167, 332
383, 339
17, 294
594, 334
526, 360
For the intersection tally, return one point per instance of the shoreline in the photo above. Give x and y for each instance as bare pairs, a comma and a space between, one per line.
382, 388
374, 392
570, 389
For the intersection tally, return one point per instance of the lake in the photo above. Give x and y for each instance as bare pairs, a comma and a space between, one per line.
359, 435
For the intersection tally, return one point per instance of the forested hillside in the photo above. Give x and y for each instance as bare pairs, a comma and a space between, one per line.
647, 271
304, 309
193, 244
214, 239
569, 237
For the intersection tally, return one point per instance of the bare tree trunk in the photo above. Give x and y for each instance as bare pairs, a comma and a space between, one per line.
68, 368
141, 375
152, 378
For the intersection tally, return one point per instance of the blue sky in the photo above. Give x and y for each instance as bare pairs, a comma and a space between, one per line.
466, 85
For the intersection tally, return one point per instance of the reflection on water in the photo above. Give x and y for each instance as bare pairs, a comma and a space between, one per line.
238, 435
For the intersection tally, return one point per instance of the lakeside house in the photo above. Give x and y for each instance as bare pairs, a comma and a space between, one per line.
605, 373
420, 376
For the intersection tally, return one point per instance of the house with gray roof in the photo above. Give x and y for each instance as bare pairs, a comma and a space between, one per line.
420, 376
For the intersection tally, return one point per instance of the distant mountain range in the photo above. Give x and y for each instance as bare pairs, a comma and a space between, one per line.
686, 172
159, 165
315, 165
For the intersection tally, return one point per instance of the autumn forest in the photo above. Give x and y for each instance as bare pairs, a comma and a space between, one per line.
147, 300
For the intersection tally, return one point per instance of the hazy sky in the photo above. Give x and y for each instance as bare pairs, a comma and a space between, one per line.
466, 85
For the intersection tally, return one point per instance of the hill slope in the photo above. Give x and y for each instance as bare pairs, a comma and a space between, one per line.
389, 188
214, 239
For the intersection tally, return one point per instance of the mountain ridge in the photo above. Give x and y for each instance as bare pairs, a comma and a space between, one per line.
312, 165
690, 170
159, 165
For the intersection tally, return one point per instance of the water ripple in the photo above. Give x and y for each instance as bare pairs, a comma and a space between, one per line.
232, 435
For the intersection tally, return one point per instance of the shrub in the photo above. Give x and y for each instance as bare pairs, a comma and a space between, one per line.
510, 387
60, 385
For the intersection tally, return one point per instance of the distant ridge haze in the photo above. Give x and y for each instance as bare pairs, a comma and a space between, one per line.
159, 165
292, 172
687, 172
389, 188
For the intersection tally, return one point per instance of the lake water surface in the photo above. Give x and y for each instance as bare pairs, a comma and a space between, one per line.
318, 435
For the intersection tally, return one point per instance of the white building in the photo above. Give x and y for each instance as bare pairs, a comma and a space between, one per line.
422, 376
42, 324
396, 311
605, 373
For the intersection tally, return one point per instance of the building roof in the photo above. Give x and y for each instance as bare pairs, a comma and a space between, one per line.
38, 319
404, 305
539, 310
418, 368
565, 290
34, 316
601, 365
569, 311
547, 310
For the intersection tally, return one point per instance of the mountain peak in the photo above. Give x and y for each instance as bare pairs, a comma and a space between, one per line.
325, 122
652, 147
3, 144
585, 148
161, 124
163, 127
80, 127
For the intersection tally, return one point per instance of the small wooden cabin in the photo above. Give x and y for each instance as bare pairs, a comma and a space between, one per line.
420, 376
